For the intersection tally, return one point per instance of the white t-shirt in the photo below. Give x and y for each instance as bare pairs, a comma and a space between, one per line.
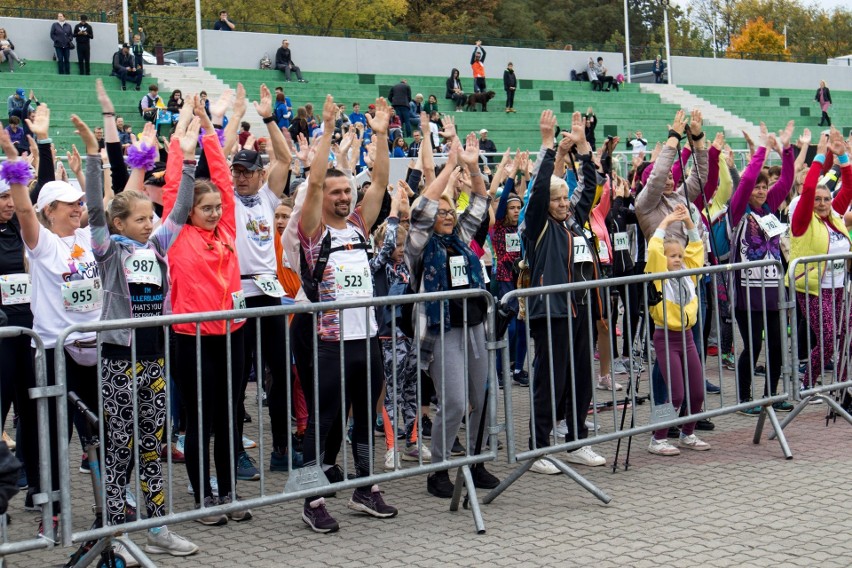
66, 285
256, 239
835, 270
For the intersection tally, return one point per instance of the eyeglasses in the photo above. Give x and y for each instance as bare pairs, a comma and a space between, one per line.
443, 213
210, 209
245, 174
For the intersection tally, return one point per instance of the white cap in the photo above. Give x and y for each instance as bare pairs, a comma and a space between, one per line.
4, 187
483, 131
57, 191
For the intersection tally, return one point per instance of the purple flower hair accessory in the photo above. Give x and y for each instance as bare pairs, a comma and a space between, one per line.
17, 171
142, 157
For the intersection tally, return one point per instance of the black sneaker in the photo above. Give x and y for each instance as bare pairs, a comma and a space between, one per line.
760, 371
426, 428
28, 500
705, 425
316, 516
458, 449
439, 485
521, 378
247, 418
372, 503
482, 478
334, 474
129, 514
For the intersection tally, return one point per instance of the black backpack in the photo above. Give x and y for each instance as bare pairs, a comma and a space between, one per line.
311, 279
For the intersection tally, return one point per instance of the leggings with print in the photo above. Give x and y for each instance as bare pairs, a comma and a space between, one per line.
403, 388
117, 389
827, 321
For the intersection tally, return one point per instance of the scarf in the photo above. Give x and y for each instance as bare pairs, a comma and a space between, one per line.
435, 275
128, 242
249, 200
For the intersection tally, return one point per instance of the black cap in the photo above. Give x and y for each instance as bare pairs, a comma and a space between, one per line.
124, 45
249, 159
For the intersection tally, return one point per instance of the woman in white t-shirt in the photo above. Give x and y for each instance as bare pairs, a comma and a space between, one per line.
66, 285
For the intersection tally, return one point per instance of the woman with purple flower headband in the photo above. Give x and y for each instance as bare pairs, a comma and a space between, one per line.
755, 290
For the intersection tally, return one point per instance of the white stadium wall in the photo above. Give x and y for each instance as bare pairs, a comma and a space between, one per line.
768, 74
32, 39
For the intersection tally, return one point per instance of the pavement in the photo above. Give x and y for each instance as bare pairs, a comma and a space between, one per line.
740, 504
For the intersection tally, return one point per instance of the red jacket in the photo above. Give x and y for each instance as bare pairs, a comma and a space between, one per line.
203, 264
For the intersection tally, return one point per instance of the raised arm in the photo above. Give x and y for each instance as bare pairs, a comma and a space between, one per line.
371, 205
535, 216
17, 177
94, 188
277, 176
310, 219
739, 200
651, 195
781, 188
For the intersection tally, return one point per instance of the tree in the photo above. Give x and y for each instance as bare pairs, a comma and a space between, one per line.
757, 40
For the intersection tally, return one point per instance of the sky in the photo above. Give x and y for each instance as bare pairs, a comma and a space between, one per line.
827, 4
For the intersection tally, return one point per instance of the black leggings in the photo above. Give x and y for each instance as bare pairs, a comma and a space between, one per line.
752, 345
16, 378
213, 401
273, 335
361, 392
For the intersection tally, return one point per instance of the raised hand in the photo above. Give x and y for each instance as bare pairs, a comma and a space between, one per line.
695, 122
679, 123
836, 143
470, 155
763, 137
7, 146
264, 107
85, 134
240, 103
188, 134
103, 98
784, 136
805, 139
449, 131
220, 106
40, 124
822, 144
75, 162
719, 141
729, 156
547, 127
379, 123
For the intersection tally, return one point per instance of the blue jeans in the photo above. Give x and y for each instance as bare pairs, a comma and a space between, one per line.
63, 61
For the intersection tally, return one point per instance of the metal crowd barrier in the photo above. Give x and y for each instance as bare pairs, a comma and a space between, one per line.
834, 379
303, 482
42, 393
661, 413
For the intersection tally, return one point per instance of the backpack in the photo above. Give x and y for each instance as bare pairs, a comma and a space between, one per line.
148, 113
265, 62
311, 279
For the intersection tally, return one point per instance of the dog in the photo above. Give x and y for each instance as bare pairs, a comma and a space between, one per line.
481, 98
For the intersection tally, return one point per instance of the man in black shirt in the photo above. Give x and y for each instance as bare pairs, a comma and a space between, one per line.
224, 24
284, 62
124, 67
400, 97
83, 34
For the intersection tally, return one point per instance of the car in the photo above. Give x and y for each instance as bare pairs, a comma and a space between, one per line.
150, 59
184, 57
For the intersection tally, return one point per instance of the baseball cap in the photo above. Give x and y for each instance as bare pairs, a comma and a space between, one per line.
249, 159
20, 92
57, 191
372, 107
483, 131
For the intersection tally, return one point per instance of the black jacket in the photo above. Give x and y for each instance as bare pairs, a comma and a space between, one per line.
827, 94
283, 57
121, 60
399, 95
61, 34
509, 80
551, 260
83, 32
451, 86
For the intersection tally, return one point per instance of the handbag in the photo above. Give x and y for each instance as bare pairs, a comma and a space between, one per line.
71, 45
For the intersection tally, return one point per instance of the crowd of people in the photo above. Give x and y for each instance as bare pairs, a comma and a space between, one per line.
198, 221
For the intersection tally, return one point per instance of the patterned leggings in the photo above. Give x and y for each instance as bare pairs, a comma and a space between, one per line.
117, 388
407, 377
827, 323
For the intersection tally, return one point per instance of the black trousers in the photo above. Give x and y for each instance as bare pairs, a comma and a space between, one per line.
83, 57
273, 336
752, 333
572, 384
510, 98
361, 392
16, 378
213, 402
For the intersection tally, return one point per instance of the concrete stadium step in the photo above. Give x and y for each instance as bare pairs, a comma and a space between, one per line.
713, 115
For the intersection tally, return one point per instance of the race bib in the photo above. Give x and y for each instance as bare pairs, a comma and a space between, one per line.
458, 272
353, 282
82, 295
513, 242
269, 285
15, 289
770, 225
142, 267
620, 242
603, 251
582, 252
239, 300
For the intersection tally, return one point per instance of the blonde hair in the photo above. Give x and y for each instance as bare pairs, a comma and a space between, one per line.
556, 184
121, 206
381, 230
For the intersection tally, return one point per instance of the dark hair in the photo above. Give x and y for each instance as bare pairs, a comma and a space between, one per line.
84, 18
245, 125
774, 171
279, 97
222, 12
453, 73
14, 120
762, 178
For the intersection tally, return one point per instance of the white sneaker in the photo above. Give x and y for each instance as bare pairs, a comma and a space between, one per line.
693, 442
662, 448
248, 443
412, 453
607, 384
586, 456
129, 496
120, 550
389, 460
214, 485
561, 429
167, 542
544, 467
618, 367
592, 426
